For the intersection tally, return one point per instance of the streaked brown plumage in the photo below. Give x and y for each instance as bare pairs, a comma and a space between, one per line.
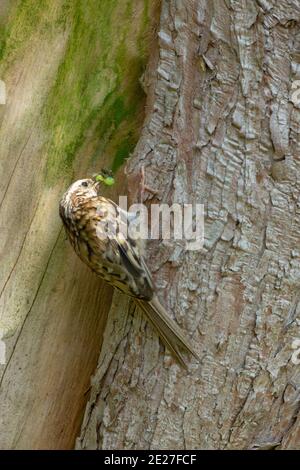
89, 220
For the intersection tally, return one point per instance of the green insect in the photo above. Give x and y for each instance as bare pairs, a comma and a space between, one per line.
106, 177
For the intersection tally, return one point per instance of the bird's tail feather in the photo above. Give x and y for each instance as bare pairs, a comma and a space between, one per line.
167, 329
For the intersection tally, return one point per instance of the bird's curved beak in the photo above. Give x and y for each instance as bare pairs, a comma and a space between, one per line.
96, 186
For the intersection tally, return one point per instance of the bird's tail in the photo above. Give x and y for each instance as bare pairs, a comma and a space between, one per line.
167, 329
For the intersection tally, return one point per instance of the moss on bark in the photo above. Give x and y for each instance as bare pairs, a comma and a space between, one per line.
97, 88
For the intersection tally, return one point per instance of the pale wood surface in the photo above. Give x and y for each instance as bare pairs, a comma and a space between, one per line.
72, 107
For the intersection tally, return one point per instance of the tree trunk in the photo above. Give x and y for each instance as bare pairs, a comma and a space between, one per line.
222, 129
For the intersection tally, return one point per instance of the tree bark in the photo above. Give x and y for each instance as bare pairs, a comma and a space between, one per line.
220, 129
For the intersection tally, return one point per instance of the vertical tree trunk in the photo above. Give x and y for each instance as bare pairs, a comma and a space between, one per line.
220, 129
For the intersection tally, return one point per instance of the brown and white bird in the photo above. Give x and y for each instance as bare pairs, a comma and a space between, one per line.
94, 227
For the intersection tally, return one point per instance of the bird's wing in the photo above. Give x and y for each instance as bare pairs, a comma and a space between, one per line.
116, 258
121, 252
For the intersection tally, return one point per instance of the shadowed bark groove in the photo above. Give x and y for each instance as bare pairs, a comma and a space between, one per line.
220, 129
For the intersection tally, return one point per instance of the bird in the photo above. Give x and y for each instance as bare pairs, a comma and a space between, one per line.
95, 227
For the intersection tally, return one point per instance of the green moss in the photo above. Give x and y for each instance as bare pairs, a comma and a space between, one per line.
118, 110
97, 85
27, 19
123, 151
97, 88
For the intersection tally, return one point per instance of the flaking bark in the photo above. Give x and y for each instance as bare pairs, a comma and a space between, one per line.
220, 129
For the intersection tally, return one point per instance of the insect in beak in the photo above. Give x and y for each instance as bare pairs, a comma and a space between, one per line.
105, 177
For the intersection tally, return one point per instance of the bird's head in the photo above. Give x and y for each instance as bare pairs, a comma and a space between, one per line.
76, 194
83, 190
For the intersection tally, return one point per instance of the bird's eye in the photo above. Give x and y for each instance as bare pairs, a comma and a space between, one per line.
85, 184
